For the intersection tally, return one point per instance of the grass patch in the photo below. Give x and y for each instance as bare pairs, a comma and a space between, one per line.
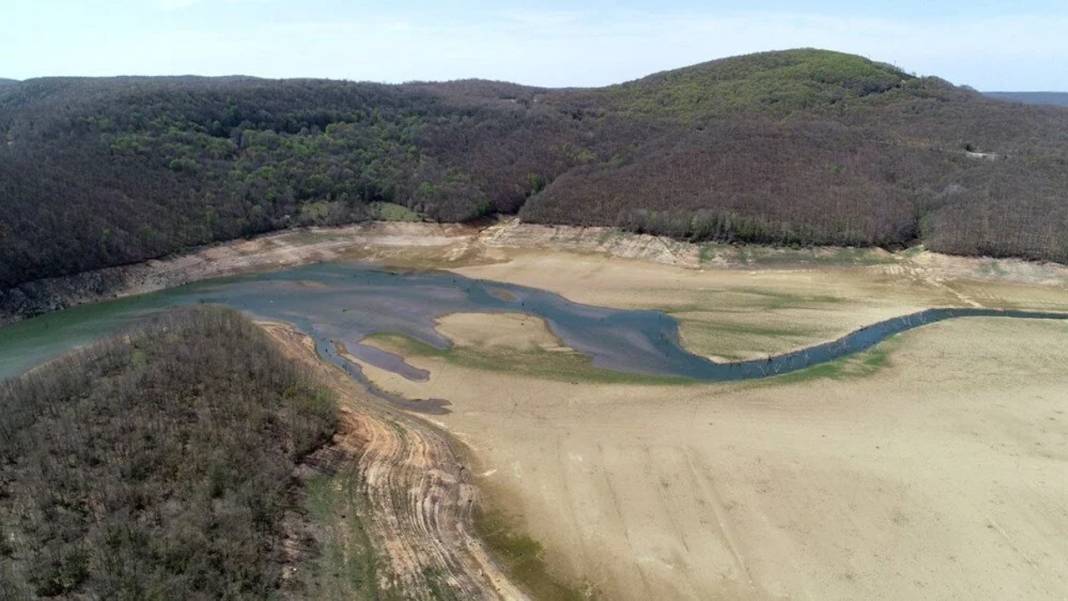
784, 300
757, 255
993, 268
853, 256
913, 251
524, 559
305, 237
747, 300
389, 211
438, 585
610, 235
346, 566
860, 365
708, 252
567, 366
738, 340
749, 329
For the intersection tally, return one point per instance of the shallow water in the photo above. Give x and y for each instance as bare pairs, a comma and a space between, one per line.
340, 304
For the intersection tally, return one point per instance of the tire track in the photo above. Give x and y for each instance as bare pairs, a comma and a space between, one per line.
416, 488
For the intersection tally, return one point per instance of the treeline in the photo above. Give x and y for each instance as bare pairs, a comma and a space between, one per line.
158, 465
759, 181
97, 172
1051, 98
813, 147
797, 147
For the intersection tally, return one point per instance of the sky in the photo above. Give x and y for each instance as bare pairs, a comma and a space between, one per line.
1021, 45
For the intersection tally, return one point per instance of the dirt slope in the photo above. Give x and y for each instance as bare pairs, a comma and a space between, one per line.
416, 494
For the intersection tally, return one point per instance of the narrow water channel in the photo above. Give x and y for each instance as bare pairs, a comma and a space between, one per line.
341, 304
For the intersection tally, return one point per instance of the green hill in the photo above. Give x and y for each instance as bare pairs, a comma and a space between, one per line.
817, 147
793, 147
774, 82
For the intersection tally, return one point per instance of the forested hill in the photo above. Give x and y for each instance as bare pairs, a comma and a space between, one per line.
794, 147
1051, 98
161, 465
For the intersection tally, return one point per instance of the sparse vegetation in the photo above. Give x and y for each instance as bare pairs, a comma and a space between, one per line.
389, 211
157, 465
524, 559
566, 366
855, 366
734, 340
345, 566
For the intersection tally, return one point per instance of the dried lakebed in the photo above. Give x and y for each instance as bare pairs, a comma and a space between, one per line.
339, 305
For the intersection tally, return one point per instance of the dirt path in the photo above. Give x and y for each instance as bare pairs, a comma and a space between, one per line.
416, 491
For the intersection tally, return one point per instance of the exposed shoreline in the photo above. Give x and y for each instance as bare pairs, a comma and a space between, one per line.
740, 460
440, 245
272, 251
725, 490
419, 494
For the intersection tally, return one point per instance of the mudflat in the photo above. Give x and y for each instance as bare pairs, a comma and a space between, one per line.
931, 466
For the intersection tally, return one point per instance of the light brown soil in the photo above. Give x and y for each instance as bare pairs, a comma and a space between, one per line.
960, 280
939, 475
417, 492
293, 248
515, 331
932, 471
932, 468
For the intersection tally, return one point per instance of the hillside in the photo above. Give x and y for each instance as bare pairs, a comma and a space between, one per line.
158, 466
792, 147
1050, 98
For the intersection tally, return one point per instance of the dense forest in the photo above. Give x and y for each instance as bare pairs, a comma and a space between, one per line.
1052, 98
793, 147
158, 465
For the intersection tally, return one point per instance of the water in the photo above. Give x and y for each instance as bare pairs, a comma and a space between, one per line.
343, 303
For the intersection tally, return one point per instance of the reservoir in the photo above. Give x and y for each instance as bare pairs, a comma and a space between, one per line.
342, 303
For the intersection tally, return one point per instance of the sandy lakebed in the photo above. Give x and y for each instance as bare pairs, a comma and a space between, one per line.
930, 466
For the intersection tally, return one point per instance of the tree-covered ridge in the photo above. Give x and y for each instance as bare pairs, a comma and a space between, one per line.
158, 465
99, 172
775, 82
1050, 98
793, 147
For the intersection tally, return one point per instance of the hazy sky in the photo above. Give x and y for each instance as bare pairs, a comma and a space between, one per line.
1020, 45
